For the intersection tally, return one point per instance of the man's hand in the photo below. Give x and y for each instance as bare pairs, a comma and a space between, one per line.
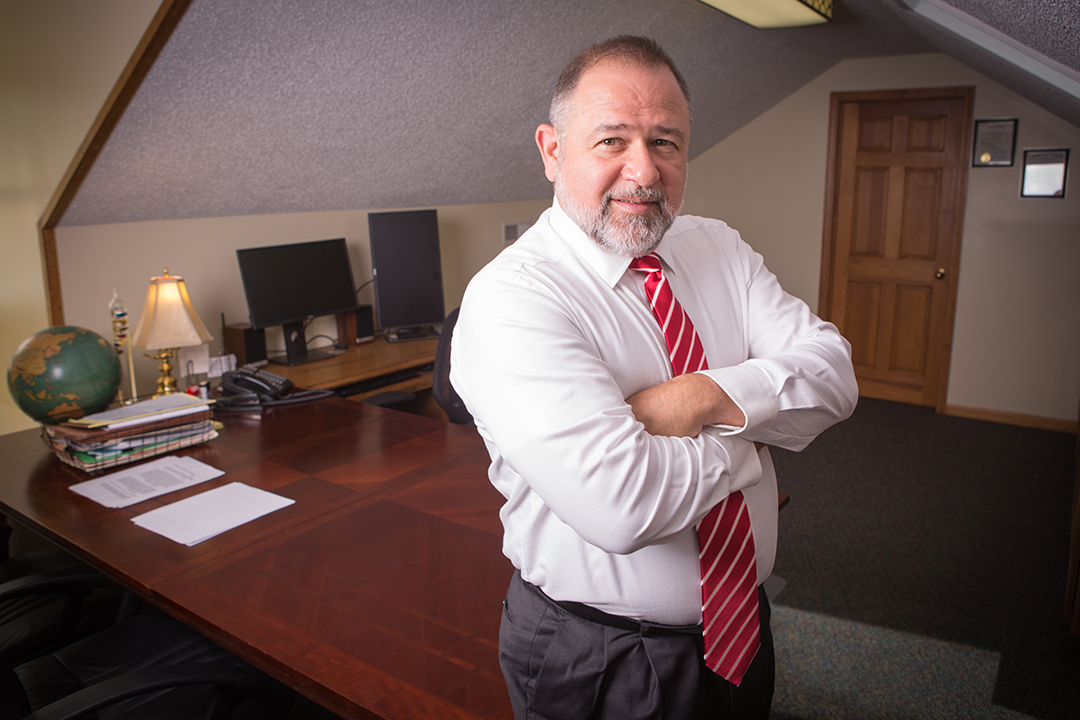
684, 405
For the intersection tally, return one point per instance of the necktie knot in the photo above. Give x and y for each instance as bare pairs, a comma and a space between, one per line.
647, 263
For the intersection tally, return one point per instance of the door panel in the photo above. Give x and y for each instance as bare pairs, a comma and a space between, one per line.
891, 249
868, 235
864, 303
918, 234
911, 328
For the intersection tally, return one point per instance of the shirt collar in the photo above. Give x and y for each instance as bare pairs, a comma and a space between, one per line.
609, 266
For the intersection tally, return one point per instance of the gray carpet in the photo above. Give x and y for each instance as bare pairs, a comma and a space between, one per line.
925, 558
833, 669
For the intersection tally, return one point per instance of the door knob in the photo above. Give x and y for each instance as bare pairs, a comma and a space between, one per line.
940, 273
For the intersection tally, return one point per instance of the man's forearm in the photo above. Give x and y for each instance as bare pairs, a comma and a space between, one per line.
684, 405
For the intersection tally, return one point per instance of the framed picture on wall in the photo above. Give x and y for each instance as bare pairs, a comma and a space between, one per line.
995, 143
1044, 173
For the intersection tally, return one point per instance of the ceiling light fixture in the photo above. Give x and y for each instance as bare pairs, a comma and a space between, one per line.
776, 13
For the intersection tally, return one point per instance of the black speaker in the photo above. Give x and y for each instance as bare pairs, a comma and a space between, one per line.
246, 343
356, 326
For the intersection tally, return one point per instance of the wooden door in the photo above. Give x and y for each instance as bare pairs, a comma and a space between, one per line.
894, 214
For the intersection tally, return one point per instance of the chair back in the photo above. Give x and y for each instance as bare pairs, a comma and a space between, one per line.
441, 388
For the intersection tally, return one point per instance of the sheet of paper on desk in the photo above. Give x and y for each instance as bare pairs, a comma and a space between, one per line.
201, 517
144, 411
133, 485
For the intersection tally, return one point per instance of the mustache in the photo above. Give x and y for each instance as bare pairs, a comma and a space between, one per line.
637, 193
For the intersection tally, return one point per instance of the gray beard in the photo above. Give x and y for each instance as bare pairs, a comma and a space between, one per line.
625, 235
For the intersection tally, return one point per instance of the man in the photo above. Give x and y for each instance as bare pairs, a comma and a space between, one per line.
609, 450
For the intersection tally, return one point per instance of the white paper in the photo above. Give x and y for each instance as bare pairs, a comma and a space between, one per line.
220, 364
194, 360
180, 412
203, 516
145, 411
141, 482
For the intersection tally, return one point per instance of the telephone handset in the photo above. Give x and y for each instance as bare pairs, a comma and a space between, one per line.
249, 379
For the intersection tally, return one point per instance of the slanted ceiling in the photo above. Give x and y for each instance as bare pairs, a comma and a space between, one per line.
273, 106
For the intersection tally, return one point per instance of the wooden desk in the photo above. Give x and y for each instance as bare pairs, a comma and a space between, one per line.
364, 362
377, 594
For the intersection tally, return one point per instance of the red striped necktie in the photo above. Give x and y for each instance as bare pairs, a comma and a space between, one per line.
729, 605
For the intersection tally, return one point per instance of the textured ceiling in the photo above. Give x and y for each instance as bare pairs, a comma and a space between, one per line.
1050, 27
271, 106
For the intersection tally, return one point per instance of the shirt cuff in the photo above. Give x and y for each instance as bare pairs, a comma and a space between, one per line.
749, 387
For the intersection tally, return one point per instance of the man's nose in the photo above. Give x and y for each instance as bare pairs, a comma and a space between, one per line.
640, 166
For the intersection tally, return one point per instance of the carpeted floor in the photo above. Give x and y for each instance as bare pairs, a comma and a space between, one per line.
925, 558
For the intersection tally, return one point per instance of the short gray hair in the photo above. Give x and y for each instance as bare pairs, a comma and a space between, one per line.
641, 51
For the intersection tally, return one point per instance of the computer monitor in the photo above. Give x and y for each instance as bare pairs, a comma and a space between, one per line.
289, 285
407, 268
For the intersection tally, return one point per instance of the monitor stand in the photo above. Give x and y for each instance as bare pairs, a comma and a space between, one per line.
422, 332
296, 350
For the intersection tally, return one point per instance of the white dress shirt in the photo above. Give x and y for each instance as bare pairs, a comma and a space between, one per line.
555, 334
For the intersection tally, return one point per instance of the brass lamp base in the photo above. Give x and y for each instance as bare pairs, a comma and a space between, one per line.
166, 383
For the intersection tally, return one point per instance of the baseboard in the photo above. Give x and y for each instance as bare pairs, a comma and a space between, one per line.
1011, 418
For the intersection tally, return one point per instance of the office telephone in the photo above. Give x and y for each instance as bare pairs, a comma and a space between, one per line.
250, 379
250, 388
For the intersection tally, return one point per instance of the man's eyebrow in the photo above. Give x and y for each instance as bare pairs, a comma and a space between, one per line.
661, 130
608, 128
672, 131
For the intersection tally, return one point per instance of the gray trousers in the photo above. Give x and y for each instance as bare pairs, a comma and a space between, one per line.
560, 666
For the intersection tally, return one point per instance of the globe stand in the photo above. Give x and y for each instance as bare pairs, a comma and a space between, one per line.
166, 383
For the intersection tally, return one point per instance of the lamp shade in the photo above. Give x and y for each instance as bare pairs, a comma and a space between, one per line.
776, 13
168, 318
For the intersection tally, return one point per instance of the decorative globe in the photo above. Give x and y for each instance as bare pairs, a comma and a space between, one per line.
62, 373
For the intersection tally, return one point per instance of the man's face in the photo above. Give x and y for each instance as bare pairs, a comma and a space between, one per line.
619, 164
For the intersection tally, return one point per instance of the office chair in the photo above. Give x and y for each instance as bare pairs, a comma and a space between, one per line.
441, 388
148, 666
49, 599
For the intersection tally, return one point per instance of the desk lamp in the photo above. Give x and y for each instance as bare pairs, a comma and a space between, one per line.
168, 322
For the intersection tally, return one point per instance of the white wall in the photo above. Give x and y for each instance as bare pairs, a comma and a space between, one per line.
59, 59
95, 259
1016, 342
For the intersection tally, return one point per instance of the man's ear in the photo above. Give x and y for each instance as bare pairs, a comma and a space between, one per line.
548, 142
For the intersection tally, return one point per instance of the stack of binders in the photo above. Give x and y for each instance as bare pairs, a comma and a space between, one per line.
133, 432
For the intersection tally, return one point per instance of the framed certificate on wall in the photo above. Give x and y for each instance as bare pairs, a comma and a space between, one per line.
995, 143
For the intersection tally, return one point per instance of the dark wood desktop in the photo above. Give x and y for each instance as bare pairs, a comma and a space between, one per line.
377, 594
369, 361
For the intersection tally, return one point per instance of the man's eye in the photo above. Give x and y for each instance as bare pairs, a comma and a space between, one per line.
661, 142
609, 142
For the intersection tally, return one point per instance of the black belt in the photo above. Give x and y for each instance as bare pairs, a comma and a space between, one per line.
642, 627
